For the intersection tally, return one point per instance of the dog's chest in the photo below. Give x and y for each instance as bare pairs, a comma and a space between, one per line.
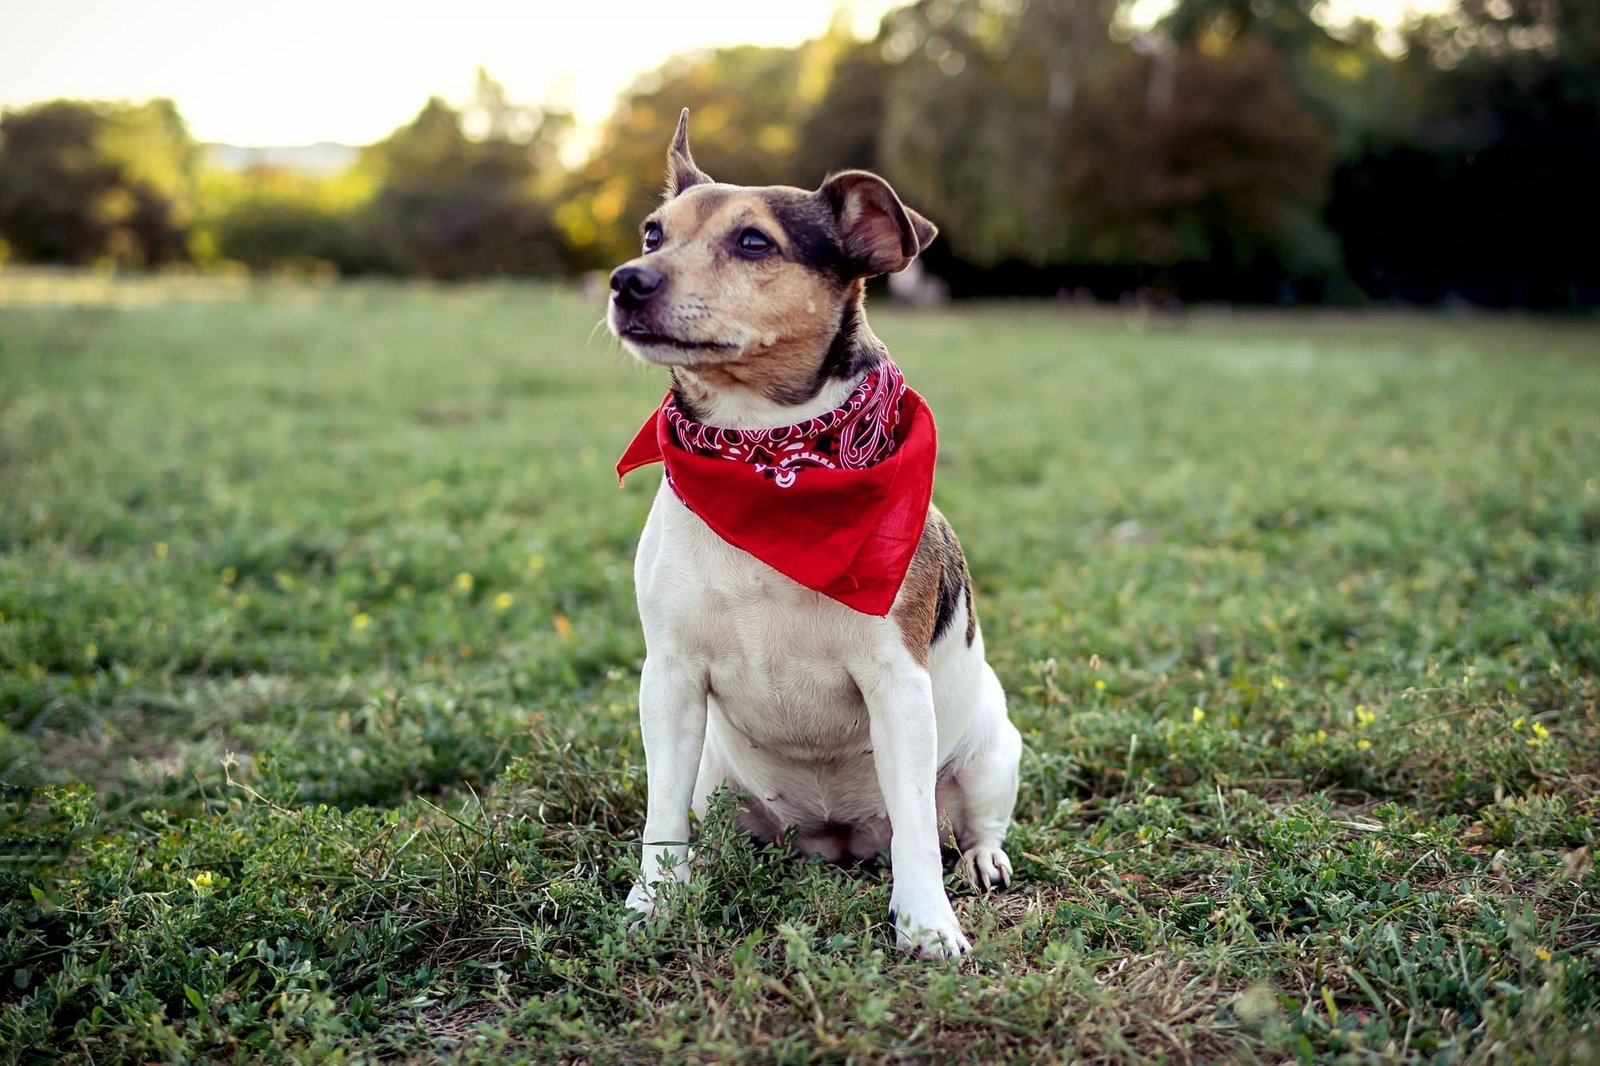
776, 655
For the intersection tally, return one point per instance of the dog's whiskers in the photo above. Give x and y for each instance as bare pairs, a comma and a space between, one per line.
598, 326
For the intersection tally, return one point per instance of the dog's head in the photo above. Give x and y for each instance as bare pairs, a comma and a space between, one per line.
760, 287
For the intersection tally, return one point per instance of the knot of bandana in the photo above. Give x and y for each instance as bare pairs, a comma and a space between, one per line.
857, 434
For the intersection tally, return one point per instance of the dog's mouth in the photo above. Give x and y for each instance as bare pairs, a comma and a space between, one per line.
650, 339
663, 349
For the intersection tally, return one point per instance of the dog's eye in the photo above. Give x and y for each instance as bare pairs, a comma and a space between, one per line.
652, 236
754, 243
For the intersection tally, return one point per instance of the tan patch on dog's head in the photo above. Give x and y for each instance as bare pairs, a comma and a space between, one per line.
758, 287
739, 290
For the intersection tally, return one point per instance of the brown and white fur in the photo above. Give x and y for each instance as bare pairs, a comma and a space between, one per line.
853, 732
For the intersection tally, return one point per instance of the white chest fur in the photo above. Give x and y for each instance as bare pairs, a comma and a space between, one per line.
782, 669
777, 659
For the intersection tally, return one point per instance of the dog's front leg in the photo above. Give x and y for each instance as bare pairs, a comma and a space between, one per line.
672, 720
899, 698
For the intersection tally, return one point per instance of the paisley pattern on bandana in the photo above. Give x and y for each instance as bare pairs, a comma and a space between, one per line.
857, 434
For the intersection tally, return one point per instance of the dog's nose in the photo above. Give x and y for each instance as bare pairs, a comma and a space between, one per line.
631, 286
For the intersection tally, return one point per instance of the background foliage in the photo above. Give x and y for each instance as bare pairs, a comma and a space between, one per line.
1241, 150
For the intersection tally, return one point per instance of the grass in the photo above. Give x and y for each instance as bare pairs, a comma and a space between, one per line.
318, 659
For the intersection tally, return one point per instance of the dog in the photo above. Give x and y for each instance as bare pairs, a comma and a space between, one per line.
845, 697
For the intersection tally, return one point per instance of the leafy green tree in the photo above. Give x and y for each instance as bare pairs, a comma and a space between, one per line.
1343, 76
842, 130
449, 205
284, 233
1199, 156
94, 182
272, 218
977, 101
1489, 195
747, 105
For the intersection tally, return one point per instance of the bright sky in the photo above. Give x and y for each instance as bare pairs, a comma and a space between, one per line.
299, 71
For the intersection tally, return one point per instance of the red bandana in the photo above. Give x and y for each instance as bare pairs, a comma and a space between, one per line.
836, 502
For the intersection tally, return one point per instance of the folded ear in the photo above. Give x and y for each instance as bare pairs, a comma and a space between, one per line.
880, 234
681, 171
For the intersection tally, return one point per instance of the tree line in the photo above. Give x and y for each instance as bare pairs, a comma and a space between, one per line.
1239, 150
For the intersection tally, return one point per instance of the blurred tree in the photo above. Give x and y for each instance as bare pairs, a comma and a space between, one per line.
1055, 147
1203, 154
1489, 197
978, 97
1340, 72
841, 131
93, 182
449, 205
1343, 76
270, 218
749, 108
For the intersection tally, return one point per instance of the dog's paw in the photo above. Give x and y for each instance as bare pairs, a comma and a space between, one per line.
641, 903
933, 936
986, 868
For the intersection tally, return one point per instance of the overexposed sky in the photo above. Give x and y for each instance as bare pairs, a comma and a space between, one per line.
273, 72
297, 71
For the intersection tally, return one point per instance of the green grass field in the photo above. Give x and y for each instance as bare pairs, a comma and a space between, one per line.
318, 660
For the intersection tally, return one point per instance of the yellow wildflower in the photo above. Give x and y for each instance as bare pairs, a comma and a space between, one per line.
91, 652
1365, 717
161, 549
463, 582
1099, 685
361, 621
1363, 744
229, 575
1541, 954
535, 562
1198, 715
1279, 683
503, 601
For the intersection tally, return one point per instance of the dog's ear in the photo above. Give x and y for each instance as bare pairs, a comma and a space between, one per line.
681, 171
880, 234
